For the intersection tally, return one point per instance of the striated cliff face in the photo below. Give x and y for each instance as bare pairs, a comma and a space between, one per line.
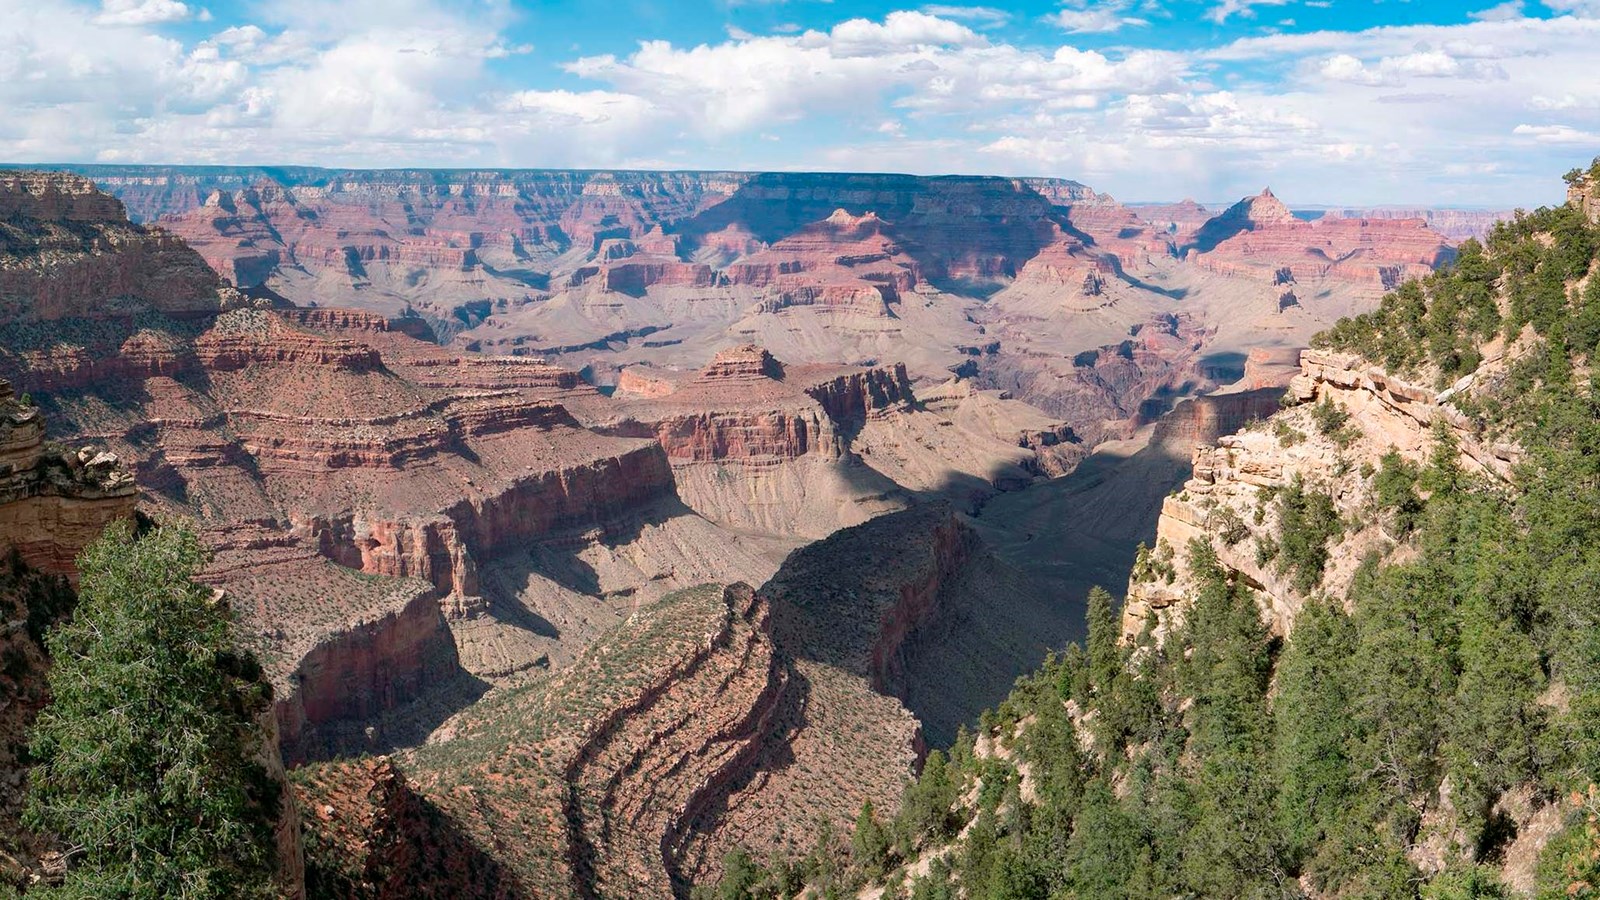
805, 450
703, 722
67, 250
590, 785
356, 484
1203, 420
597, 494
610, 270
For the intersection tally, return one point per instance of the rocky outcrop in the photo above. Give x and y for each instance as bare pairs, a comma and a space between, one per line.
571, 498
606, 770
330, 454
371, 834
1104, 392
1583, 194
54, 501
1203, 420
1228, 501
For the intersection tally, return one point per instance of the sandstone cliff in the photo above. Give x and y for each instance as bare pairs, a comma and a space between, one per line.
67, 250
712, 719
54, 501
605, 270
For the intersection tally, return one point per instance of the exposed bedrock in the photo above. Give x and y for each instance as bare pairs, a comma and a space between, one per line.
712, 718
442, 550
360, 675
69, 250
1259, 238
54, 501
1233, 472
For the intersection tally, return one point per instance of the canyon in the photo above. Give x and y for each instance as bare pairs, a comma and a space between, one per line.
592, 524
995, 279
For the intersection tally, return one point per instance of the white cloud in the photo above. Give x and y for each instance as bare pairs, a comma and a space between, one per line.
1092, 17
1481, 112
1244, 8
980, 16
1511, 9
1581, 8
900, 31
141, 12
1398, 70
1558, 134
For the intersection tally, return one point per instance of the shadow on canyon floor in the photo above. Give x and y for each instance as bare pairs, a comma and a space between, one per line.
1082, 530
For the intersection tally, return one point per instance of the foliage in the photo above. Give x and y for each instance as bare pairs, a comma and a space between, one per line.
147, 762
1221, 761
1307, 521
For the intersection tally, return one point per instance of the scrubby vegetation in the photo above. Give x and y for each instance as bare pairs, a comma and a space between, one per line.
1375, 751
147, 763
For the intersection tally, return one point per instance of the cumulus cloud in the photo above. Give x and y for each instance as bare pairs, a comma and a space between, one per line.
979, 16
1087, 17
1582, 8
1511, 9
1398, 70
1558, 134
900, 31
141, 12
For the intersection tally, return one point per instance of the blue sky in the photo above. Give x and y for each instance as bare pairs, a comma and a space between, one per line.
1357, 102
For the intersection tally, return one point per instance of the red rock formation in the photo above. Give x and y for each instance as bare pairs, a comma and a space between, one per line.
298, 439
1260, 238
609, 766
1069, 266
1104, 393
68, 251
1178, 221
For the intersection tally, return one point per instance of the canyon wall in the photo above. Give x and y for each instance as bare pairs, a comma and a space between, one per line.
1227, 502
352, 481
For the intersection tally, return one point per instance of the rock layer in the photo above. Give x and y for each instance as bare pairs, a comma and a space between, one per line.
53, 501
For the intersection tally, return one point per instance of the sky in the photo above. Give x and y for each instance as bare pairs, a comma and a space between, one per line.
1359, 102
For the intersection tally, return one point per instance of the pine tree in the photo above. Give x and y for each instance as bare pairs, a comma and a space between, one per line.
869, 843
1105, 657
1311, 728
